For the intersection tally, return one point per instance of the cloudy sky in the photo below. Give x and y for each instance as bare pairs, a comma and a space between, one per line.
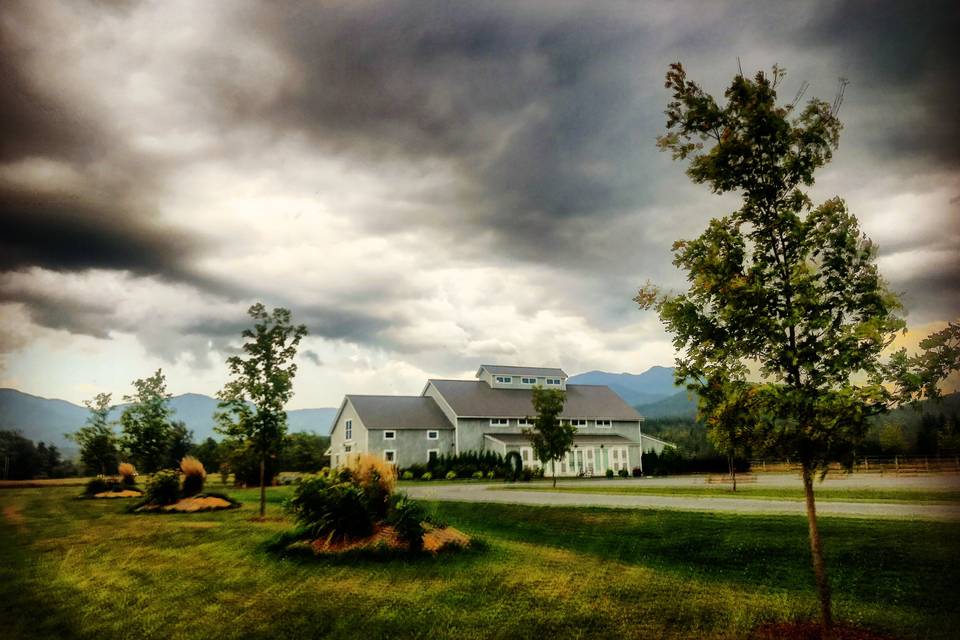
426, 185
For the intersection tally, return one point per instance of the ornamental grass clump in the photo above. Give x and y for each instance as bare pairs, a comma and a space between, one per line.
193, 475
128, 474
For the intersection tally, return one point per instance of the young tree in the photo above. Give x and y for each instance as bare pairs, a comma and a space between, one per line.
97, 440
731, 410
778, 284
146, 424
550, 438
180, 443
252, 403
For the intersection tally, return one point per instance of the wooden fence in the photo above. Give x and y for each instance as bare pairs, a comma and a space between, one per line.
900, 465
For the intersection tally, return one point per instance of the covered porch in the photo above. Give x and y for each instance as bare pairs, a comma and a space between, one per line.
591, 455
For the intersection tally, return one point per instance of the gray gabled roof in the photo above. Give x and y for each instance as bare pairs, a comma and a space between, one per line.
399, 412
501, 369
477, 399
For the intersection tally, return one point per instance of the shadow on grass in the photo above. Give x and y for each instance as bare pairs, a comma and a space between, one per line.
873, 561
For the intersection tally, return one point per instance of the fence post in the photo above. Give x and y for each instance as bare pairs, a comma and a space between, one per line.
866, 463
896, 463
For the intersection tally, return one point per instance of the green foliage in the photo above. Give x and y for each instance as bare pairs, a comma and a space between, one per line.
491, 475
304, 451
550, 437
96, 439
918, 377
514, 464
777, 282
20, 459
252, 402
243, 461
209, 452
163, 487
609, 473
426, 476
180, 443
477, 475
465, 464
623, 473
147, 432
331, 506
407, 516
892, 441
406, 475
451, 475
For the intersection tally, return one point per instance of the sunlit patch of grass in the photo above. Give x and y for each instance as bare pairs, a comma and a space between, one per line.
88, 570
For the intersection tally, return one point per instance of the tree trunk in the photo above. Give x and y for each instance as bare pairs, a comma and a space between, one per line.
816, 550
263, 488
733, 474
553, 465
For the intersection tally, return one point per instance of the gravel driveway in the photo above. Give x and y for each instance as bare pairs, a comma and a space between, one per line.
495, 492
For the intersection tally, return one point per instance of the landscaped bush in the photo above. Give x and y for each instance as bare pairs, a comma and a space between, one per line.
451, 475
514, 466
465, 465
426, 476
163, 487
331, 506
193, 475
491, 475
377, 478
98, 485
637, 472
623, 473
478, 475
128, 474
407, 518
407, 475
609, 473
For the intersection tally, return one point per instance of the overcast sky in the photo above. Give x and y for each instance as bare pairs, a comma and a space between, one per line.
426, 185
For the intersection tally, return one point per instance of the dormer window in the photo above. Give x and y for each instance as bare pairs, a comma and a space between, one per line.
553, 381
528, 380
504, 379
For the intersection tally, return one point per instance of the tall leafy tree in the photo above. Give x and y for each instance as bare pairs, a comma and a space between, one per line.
147, 431
252, 402
550, 437
731, 410
180, 443
97, 440
781, 285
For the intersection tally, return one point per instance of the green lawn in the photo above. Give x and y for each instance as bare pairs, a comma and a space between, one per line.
75, 568
753, 491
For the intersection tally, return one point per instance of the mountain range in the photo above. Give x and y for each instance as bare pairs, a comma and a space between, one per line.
48, 420
651, 386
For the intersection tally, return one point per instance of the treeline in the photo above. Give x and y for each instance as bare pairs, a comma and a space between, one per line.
21, 459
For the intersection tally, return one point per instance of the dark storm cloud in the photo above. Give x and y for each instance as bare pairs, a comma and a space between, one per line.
896, 49
538, 109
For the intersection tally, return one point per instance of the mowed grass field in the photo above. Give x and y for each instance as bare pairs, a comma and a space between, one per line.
84, 569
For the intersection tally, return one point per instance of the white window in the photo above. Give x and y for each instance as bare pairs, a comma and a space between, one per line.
432, 454
499, 422
525, 422
504, 379
390, 455
578, 423
389, 435
604, 423
347, 448
528, 380
525, 454
433, 435
348, 430
554, 381
618, 459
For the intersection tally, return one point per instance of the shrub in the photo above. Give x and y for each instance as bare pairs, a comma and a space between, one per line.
407, 518
623, 473
609, 473
451, 475
163, 487
97, 485
514, 464
637, 472
329, 506
491, 475
478, 475
128, 474
426, 476
193, 475
407, 475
